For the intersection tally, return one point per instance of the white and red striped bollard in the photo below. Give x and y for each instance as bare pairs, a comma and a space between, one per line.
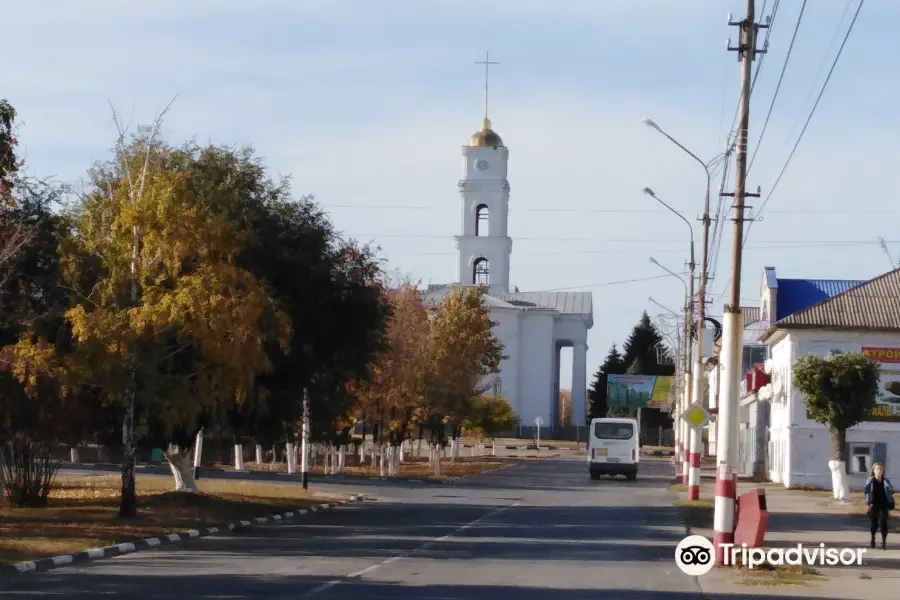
723, 517
694, 472
685, 462
676, 455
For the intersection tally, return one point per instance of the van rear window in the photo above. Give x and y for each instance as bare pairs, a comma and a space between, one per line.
614, 431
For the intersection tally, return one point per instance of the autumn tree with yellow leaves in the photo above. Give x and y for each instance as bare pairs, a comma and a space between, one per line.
462, 351
161, 317
490, 416
393, 397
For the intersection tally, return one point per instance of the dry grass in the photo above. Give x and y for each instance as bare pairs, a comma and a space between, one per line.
658, 448
769, 575
411, 468
82, 512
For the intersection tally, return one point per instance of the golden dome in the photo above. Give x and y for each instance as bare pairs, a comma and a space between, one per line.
486, 137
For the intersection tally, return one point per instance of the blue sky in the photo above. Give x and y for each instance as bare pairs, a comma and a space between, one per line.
366, 105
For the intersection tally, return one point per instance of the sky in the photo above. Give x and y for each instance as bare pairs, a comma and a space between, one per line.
367, 104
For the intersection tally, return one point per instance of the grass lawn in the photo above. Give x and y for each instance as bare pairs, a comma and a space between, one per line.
411, 468
82, 512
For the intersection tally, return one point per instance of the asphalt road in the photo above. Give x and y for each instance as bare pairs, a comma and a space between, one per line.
541, 530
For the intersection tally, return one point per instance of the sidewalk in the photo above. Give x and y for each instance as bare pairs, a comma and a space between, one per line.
809, 518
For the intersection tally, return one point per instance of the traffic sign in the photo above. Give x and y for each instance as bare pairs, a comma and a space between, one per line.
696, 416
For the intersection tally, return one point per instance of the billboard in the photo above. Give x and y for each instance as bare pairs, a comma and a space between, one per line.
887, 407
887, 401
639, 391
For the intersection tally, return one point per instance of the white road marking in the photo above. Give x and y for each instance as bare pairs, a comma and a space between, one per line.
330, 584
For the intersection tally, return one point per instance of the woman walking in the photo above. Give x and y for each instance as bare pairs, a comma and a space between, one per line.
879, 500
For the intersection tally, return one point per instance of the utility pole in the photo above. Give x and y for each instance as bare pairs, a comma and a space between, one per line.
699, 375
732, 335
681, 426
304, 443
691, 376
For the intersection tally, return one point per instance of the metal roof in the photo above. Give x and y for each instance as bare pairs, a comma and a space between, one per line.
873, 304
567, 303
795, 295
750, 314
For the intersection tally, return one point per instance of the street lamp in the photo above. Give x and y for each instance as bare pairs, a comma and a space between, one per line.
665, 308
690, 377
697, 387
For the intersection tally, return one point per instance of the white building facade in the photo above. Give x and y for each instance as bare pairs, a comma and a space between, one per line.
863, 317
532, 326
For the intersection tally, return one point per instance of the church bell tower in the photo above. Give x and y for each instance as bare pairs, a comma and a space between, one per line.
484, 246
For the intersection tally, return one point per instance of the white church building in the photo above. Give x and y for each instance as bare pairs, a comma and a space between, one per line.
532, 326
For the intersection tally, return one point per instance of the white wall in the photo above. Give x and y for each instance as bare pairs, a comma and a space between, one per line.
801, 446
508, 331
536, 376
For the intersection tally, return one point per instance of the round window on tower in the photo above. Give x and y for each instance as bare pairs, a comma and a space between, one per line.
482, 165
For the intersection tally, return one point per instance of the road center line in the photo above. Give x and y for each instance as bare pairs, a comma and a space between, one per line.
357, 574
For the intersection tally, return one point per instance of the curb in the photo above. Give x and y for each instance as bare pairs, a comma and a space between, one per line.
54, 562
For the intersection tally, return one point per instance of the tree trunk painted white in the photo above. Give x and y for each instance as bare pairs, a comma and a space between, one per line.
198, 449
402, 451
374, 456
493, 448
840, 486
381, 460
419, 448
182, 470
238, 457
73, 455
291, 458
259, 457
342, 459
334, 459
362, 453
437, 460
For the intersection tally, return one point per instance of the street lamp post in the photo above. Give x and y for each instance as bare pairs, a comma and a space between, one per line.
691, 460
679, 426
698, 379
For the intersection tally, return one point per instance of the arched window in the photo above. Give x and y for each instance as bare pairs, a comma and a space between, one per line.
482, 220
481, 273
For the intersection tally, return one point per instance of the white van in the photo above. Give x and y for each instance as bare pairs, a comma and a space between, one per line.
614, 448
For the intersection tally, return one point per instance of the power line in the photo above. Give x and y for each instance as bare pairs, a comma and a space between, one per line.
758, 64
809, 118
441, 236
517, 210
608, 283
784, 65
834, 39
642, 251
800, 137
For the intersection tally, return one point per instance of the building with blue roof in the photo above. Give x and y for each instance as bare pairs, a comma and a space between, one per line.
799, 317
